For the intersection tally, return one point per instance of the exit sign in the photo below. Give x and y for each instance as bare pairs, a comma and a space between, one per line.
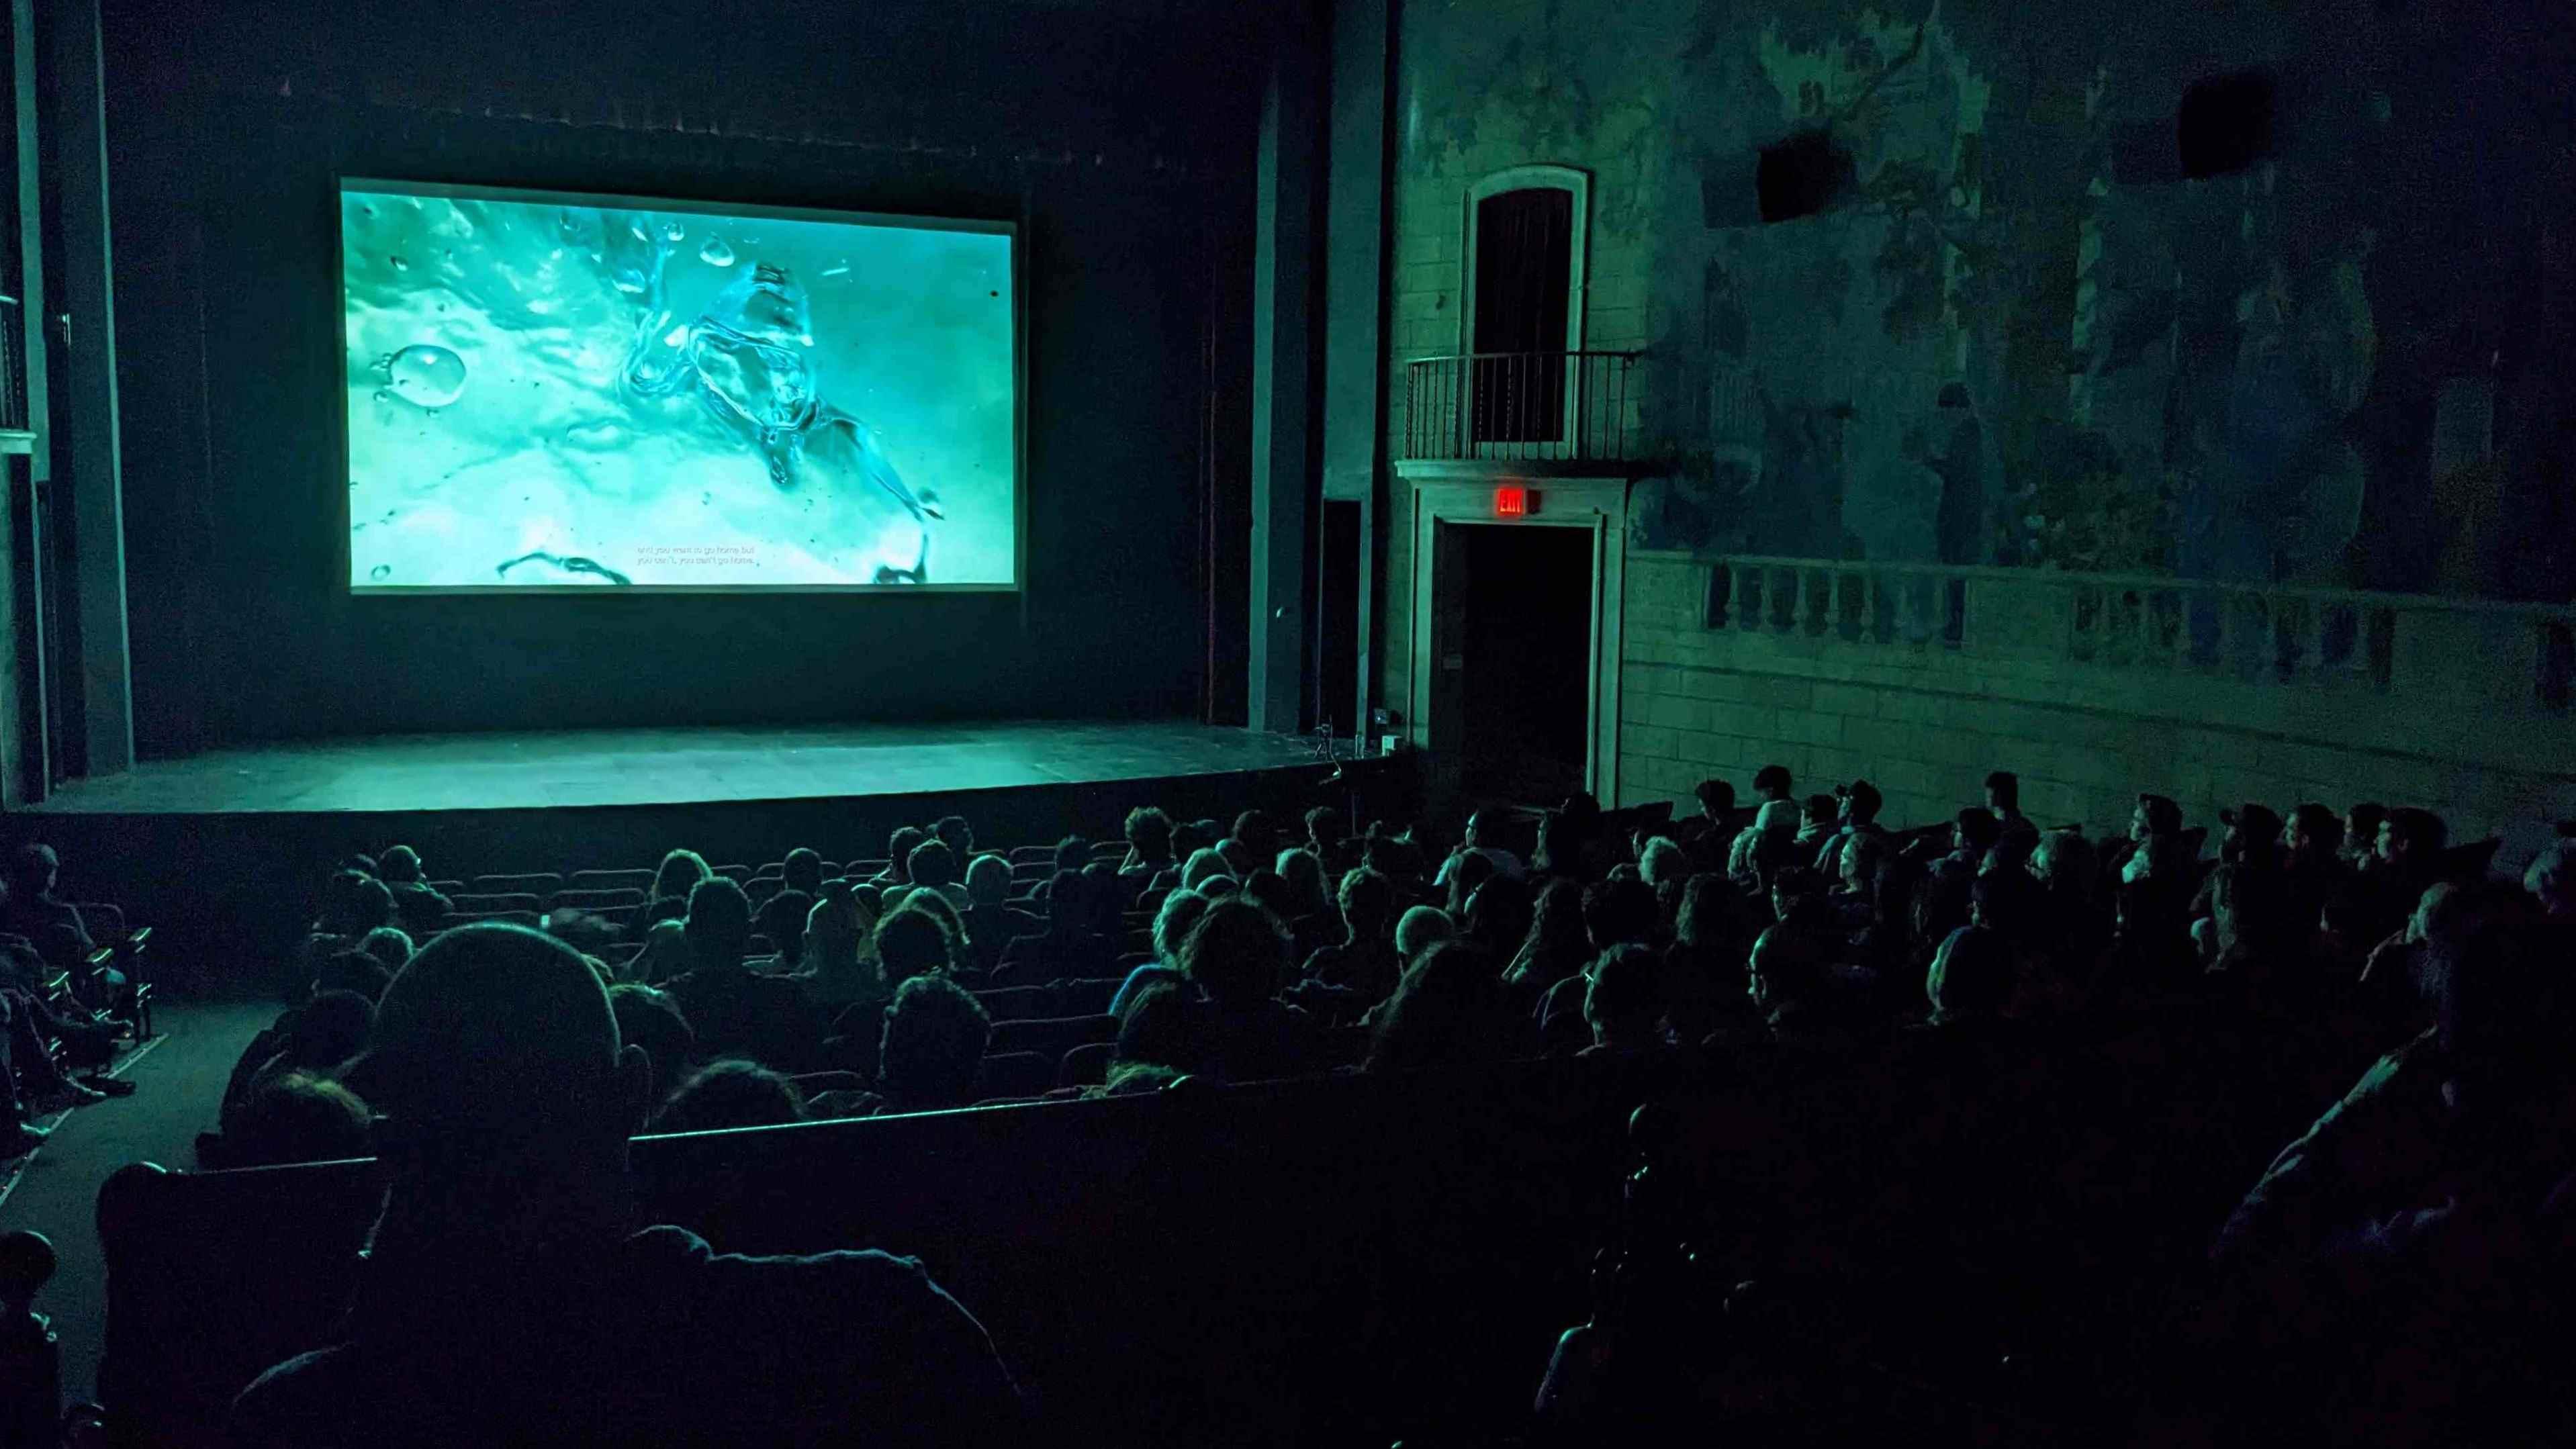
1512, 500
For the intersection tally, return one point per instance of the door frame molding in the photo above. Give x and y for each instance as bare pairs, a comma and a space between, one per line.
1598, 504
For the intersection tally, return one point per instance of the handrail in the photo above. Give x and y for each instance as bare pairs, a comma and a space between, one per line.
2046, 574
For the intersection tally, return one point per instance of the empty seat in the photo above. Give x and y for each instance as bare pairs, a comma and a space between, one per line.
451, 887
1087, 998
1033, 854
775, 870
484, 903
1018, 1003
598, 900
538, 883
1112, 851
735, 873
638, 881
862, 869
1050, 1037
1086, 1065
1015, 1074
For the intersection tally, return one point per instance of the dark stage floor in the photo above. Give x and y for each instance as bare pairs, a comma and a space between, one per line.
671, 767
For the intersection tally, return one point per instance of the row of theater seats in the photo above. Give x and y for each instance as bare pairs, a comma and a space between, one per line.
1352, 1259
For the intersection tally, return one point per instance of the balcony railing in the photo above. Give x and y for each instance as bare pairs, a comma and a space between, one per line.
2254, 633
1534, 407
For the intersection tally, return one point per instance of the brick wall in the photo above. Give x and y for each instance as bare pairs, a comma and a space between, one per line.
1925, 722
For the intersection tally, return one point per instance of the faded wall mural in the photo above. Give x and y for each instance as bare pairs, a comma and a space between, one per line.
2019, 332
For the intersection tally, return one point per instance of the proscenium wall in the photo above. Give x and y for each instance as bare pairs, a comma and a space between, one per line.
1116, 133
2020, 336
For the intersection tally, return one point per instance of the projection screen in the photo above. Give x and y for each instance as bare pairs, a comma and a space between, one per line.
551, 391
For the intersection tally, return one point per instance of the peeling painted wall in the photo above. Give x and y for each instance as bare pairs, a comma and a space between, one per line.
2009, 343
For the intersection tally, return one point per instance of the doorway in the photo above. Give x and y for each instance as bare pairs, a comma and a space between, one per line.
1515, 663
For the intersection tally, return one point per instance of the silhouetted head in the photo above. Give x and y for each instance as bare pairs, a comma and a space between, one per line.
1189, 837
1160, 1029
730, 1093
1173, 919
718, 926
353, 903
1323, 829
352, 971
2411, 837
1860, 802
802, 870
2156, 815
1618, 912
1367, 901
1445, 1011
298, 1117
679, 874
935, 1035
1422, 928
2003, 792
1772, 782
1663, 863
913, 942
1624, 1003
329, 1030
399, 865
1819, 810
1149, 834
952, 831
648, 1018
1787, 964
931, 865
1303, 871
988, 880
1556, 928
1255, 830
1716, 798
2316, 832
1271, 889
1711, 907
32, 868
2361, 826
1237, 953
1498, 916
1972, 975
2253, 834
836, 928
1975, 831
495, 1055
390, 945
1467, 870
1203, 866
1072, 853
899, 848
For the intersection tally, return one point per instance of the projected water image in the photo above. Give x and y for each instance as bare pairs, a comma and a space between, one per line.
554, 395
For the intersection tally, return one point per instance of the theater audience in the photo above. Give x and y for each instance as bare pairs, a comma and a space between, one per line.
899, 848
1476, 842
1419, 929
781, 918
840, 967
505, 1260
1365, 961
1149, 849
1237, 957
933, 1045
327, 1033
914, 941
1557, 945
1764, 845
1331, 844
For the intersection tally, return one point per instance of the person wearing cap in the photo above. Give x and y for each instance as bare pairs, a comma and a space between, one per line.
510, 1295
1855, 813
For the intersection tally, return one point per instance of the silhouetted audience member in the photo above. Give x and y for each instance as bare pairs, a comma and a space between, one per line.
1237, 955
1462, 875
1704, 967
1477, 841
1709, 836
1073, 946
506, 1258
1557, 945
781, 918
647, 1017
2015, 836
1204, 866
1149, 849
1624, 1004
726, 1093
1765, 846
1365, 961
678, 874
900, 844
297, 1116
417, 904
1419, 929
994, 922
840, 968
913, 941
933, 867
932, 1049
953, 832
2551, 879
734, 1010
2361, 826
1331, 842
1448, 1011
326, 1033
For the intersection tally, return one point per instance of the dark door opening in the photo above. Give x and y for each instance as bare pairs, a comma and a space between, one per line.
1337, 619
1523, 660
1524, 280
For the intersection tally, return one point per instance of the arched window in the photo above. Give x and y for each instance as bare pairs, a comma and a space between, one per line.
1522, 318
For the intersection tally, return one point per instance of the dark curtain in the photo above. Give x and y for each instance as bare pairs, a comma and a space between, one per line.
1524, 253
